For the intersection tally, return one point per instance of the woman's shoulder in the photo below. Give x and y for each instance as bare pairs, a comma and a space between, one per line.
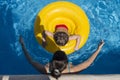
68, 68
47, 67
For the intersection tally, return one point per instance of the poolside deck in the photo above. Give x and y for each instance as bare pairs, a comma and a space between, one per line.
63, 77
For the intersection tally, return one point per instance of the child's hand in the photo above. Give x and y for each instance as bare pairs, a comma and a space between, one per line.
76, 48
44, 39
43, 36
44, 44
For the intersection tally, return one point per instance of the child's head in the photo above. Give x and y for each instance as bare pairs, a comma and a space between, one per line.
58, 63
61, 38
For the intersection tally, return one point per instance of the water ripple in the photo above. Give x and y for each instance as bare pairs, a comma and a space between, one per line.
102, 14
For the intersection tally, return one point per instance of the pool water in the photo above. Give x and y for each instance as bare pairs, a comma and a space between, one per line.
17, 18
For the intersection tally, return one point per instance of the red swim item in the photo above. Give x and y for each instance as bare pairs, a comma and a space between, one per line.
61, 25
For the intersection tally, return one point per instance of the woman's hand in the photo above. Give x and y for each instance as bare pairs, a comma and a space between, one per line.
101, 44
21, 40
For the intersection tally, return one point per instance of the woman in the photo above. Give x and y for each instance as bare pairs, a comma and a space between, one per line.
59, 63
61, 36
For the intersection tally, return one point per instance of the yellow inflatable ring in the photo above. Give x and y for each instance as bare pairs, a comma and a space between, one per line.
62, 12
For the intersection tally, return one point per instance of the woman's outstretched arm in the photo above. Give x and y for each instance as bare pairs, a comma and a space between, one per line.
38, 66
88, 62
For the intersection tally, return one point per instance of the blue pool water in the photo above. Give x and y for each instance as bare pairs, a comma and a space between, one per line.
17, 18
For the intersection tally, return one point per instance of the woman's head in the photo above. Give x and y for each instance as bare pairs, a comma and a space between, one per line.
58, 63
61, 38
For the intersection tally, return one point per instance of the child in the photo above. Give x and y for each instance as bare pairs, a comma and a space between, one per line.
61, 36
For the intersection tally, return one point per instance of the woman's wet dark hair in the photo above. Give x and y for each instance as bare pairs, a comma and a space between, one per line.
61, 38
58, 64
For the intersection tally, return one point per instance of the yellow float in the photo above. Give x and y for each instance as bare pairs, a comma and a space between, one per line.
62, 12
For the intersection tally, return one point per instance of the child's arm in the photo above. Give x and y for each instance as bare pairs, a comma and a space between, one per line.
46, 33
77, 38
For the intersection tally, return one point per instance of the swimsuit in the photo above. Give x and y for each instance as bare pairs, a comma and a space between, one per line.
69, 66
